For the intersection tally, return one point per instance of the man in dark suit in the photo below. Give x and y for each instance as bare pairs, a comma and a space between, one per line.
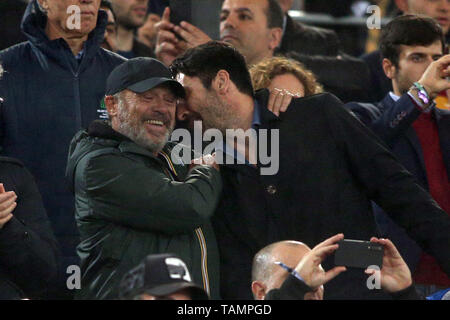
319, 50
328, 168
439, 10
306, 39
407, 120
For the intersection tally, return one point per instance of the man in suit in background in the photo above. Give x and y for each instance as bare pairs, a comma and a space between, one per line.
418, 132
437, 9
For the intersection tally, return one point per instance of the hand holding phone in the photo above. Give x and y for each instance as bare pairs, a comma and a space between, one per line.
309, 268
395, 274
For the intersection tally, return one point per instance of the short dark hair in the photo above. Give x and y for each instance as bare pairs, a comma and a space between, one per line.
206, 60
274, 14
409, 30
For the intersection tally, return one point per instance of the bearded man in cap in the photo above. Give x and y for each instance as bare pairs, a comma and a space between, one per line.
132, 198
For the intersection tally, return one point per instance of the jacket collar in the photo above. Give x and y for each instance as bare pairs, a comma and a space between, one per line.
442, 118
33, 26
102, 129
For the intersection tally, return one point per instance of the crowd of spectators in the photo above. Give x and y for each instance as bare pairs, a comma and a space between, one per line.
92, 90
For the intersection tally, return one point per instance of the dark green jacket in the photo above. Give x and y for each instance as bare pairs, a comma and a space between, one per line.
130, 203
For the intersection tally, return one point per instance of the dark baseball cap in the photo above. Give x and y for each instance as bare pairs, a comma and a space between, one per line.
139, 75
159, 275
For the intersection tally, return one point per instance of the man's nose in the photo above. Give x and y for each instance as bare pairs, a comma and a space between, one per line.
229, 22
444, 5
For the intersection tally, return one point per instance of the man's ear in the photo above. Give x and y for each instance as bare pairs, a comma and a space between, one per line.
183, 111
259, 290
402, 5
276, 34
221, 83
389, 68
112, 105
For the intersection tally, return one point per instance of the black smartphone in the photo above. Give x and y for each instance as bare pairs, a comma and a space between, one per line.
359, 254
180, 10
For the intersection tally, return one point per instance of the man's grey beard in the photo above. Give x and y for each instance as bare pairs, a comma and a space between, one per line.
131, 129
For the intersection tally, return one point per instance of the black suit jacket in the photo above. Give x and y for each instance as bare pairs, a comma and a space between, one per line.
331, 166
309, 40
318, 49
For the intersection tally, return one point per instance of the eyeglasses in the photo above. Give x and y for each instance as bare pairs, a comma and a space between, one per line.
290, 270
285, 267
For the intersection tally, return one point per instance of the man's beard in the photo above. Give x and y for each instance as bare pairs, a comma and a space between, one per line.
403, 83
130, 127
217, 115
128, 23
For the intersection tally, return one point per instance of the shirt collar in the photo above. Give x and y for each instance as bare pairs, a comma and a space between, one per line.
256, 122
394, 96
80, 54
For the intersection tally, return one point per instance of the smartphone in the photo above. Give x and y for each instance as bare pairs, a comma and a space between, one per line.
359, 254
180, 10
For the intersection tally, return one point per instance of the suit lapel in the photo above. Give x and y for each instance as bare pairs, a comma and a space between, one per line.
410, 133
443, 124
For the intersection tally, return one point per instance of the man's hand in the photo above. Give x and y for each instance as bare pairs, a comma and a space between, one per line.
208, 159
279, 100
395, 274
309, 267
168, 46
434, 79
148, 33
192, 35
7, 205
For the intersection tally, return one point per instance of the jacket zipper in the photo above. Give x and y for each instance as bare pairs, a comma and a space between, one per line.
204, 259
200, 237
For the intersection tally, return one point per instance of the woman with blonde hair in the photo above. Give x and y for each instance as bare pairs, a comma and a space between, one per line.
285, 79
